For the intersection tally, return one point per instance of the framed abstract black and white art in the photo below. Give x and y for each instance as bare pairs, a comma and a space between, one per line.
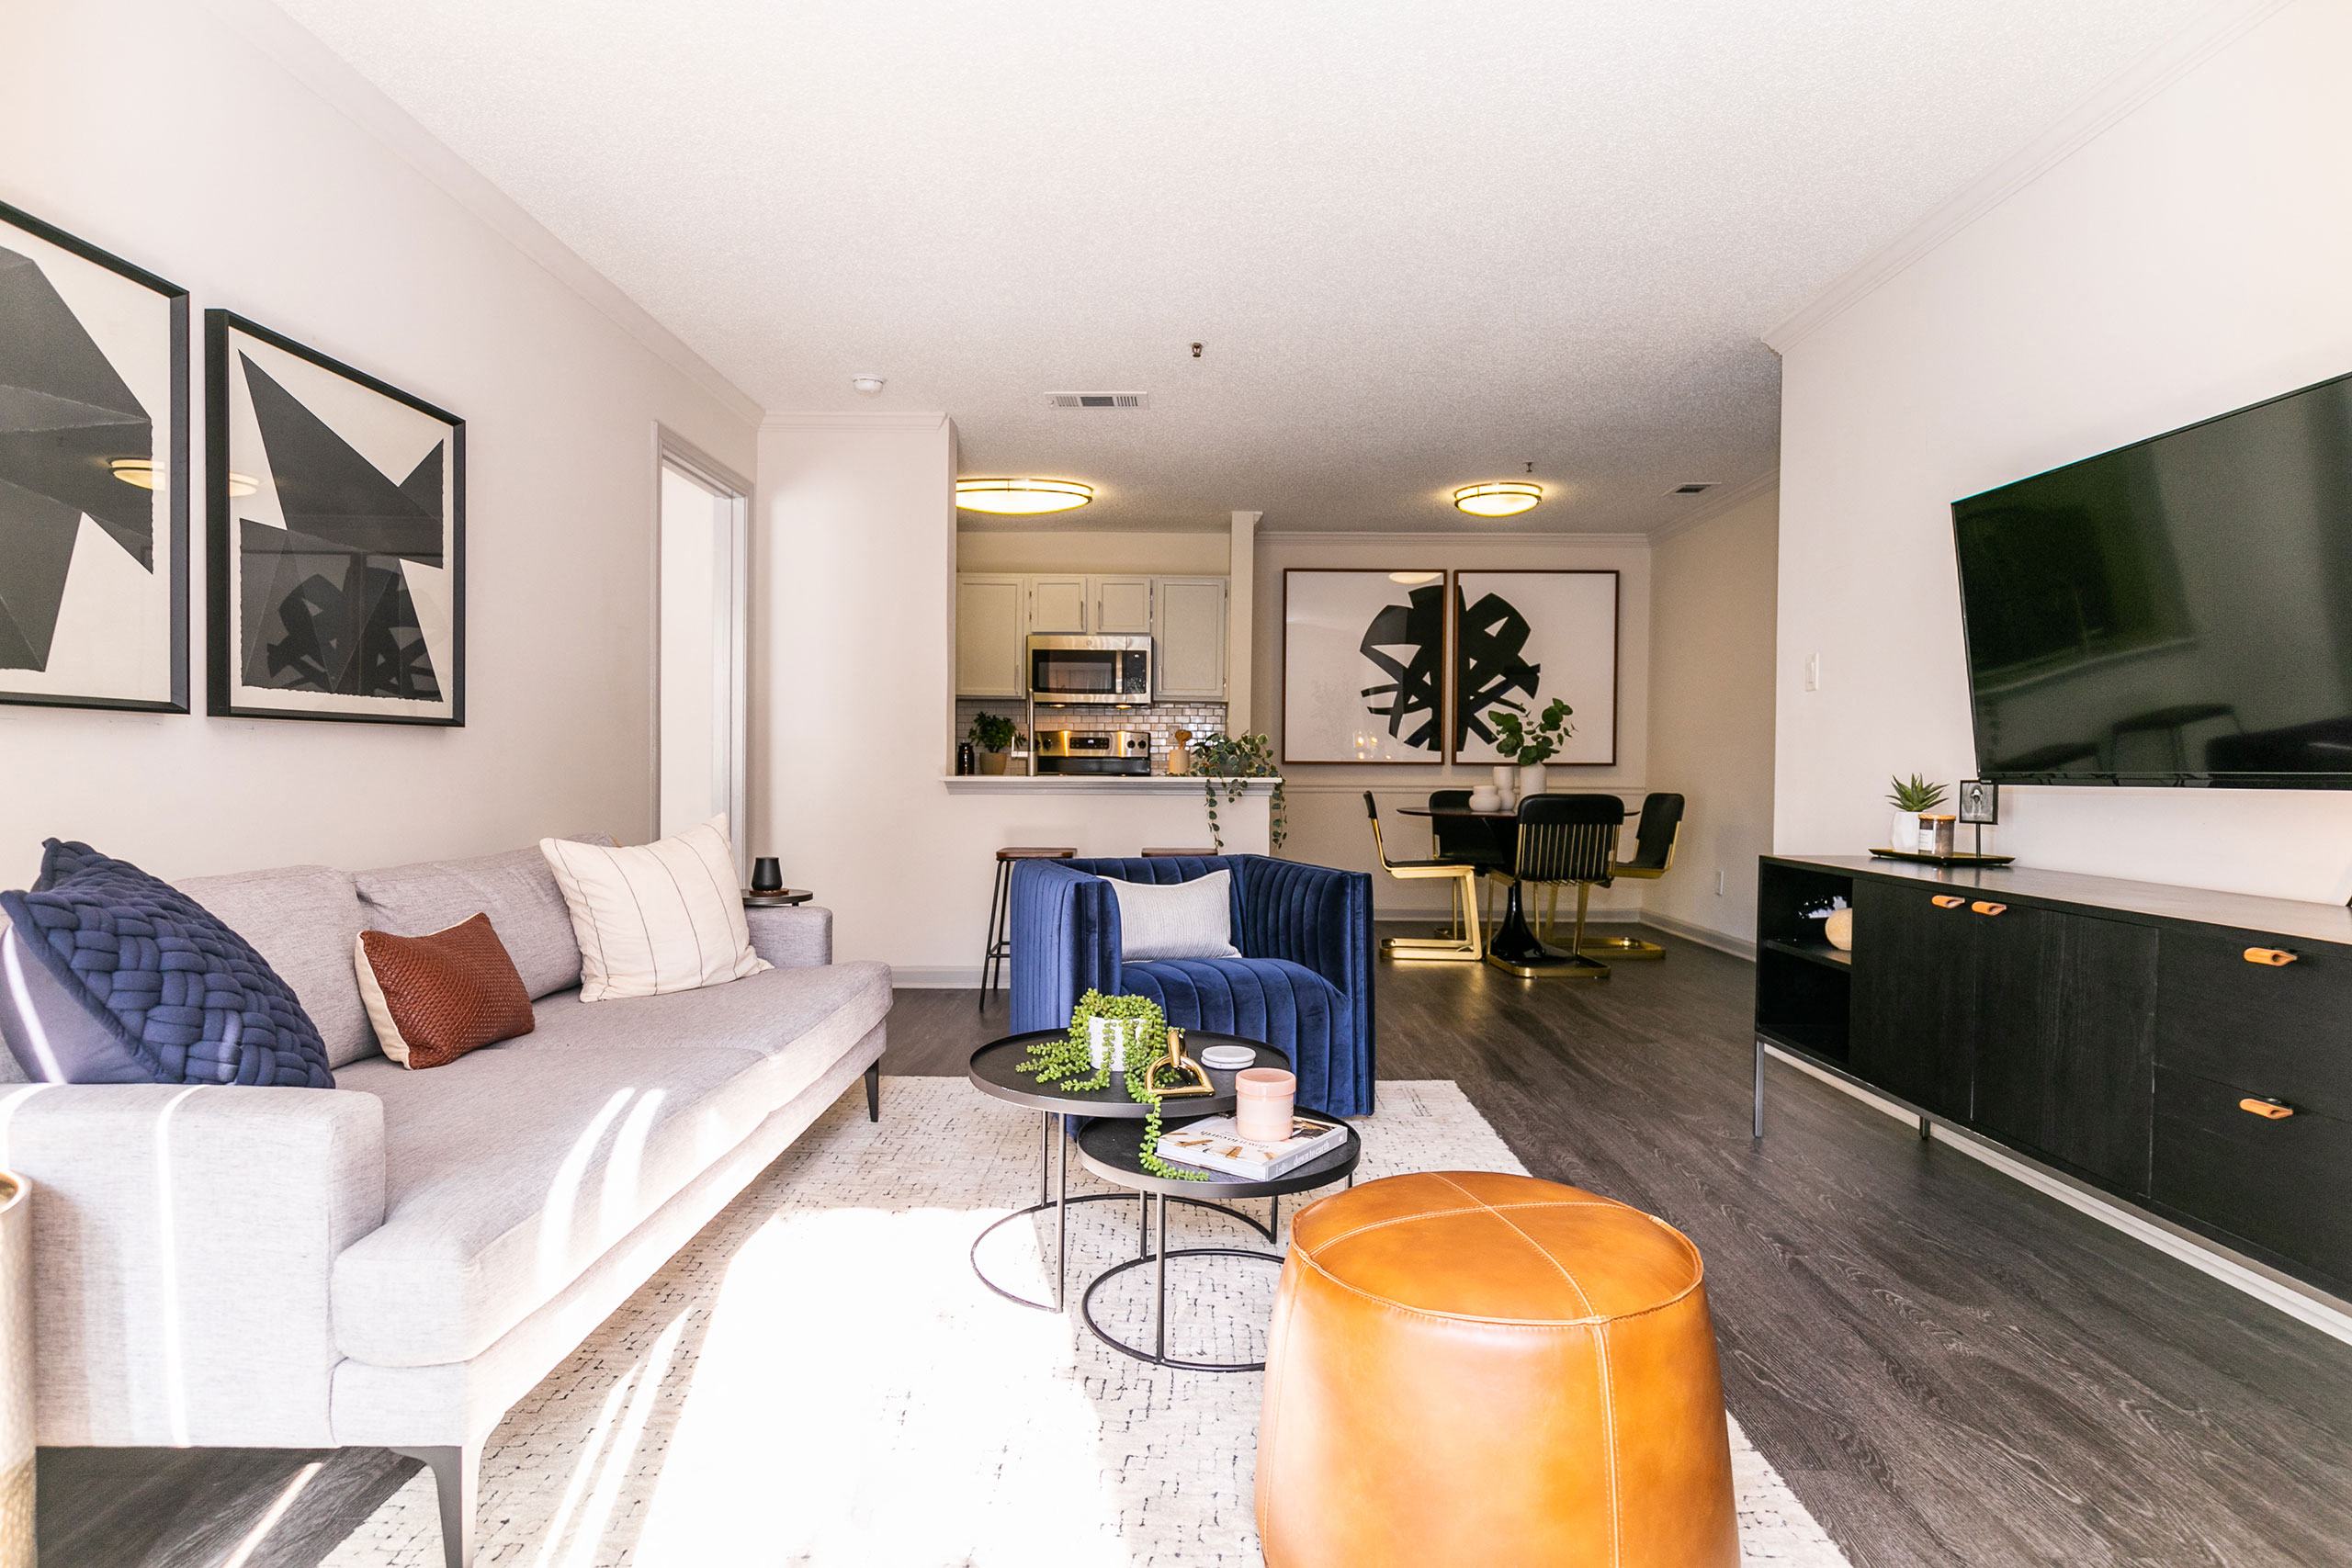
94, 449
1522, 638
1363, 666
336, 568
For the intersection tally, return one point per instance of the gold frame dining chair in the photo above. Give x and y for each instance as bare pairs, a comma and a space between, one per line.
1563, 839
1465, 877
1655, 840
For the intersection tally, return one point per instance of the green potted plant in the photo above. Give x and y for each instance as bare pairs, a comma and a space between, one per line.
1230, 761
1531, 746
1910, 797
991, 734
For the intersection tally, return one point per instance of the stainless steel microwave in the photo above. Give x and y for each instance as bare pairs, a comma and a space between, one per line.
1091, 669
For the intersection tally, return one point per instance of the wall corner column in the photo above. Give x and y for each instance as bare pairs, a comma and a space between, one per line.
1241, 617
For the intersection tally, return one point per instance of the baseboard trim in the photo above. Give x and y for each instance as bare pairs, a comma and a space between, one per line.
1688, 931
948, 977
2265, 1284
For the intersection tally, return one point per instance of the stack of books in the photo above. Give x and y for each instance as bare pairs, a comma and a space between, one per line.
1215, 1144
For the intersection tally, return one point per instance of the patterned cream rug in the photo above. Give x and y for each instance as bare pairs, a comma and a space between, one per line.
818, 1378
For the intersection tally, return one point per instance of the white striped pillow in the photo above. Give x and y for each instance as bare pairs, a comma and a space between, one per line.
655, 918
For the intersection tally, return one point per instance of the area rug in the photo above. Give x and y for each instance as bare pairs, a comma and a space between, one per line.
818, 1378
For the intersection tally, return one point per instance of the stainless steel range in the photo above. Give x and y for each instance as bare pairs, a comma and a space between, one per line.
1094, 751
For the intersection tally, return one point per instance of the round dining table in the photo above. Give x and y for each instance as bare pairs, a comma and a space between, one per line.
1514, 940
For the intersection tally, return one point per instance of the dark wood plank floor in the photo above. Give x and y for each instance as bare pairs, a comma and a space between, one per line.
1949, 1366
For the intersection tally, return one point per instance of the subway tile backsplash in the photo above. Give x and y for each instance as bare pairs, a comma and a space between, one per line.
1164, 719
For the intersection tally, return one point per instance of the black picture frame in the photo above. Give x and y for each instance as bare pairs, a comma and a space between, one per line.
221, 528
177, 440
1978, 802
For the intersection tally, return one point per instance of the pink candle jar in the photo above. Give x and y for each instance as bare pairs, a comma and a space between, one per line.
1262, 1098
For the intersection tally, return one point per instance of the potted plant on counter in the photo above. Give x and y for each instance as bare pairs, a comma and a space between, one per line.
1533, 746
1232, 761
993, 735
1910, 797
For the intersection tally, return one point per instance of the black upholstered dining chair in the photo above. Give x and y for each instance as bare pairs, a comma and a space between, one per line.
1655, 838
1569, 839
1466, 841
1465, 950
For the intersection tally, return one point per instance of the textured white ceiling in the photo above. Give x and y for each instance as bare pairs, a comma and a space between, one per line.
1424, 242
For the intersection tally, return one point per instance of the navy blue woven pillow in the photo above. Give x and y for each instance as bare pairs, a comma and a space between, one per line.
182, 998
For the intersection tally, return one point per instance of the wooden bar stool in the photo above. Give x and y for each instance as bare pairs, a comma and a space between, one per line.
1000, 945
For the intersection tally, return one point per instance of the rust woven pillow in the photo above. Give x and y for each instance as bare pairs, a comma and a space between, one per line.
433, 999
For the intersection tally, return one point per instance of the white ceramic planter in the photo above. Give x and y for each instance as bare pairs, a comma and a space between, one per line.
1114, 1041
1905, 833
1532, 780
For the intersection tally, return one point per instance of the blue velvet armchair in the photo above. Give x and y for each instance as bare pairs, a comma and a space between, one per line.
1302, 985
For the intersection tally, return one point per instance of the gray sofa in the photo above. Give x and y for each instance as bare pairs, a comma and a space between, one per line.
394, 1262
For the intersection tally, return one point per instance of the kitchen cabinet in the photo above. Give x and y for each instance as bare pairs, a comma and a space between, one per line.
1057, 606
991, 637
1120, 605
1189, 640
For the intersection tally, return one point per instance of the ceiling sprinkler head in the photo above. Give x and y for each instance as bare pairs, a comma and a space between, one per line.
866, 386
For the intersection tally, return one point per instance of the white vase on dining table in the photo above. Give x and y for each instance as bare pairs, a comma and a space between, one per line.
1532, 780
1507, 786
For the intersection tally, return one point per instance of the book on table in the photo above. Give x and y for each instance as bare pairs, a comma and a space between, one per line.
1215, 1143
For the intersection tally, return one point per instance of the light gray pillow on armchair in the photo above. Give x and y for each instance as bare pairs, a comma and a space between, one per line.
1176, 919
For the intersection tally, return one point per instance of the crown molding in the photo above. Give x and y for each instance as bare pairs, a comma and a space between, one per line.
1738, 495
1441, 540
2119, 97
309, 60
851, 419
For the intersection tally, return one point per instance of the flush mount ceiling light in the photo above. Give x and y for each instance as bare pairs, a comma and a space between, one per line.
867, 385
1414, 579
1504, 500
141, 472
1021, 497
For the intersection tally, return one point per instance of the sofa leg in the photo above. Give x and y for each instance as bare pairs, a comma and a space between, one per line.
874, 1091
456, 1476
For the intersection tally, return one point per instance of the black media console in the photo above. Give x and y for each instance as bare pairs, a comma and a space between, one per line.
2187, 1050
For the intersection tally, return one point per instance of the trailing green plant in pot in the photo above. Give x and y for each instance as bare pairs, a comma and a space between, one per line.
1909, 797
991, 734
1072, 1063
1227, 763
1531, 746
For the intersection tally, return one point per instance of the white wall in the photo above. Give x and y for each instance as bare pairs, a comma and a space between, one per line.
155, 130
2190, 259
1713, 587
1102, 551
854, 551
1327, 820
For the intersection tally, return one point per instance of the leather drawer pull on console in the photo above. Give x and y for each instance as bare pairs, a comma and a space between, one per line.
2274, 956
1947, 900
1983, 907
2269, 1109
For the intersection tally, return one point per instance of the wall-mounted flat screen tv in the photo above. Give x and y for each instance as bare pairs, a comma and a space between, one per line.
2175, 612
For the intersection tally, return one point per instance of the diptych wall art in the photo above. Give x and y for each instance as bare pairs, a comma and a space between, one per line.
1524, 637
1363, 666
93, 475
337, 566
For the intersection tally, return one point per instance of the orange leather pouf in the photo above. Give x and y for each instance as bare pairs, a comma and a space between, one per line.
1473, 1369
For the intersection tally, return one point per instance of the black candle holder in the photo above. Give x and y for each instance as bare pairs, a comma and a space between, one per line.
767, 875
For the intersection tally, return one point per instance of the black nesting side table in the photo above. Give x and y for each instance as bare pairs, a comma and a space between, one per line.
1112, 1151
994, 1070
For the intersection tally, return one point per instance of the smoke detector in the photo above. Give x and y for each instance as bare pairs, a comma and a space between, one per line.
867, 385
1098, 400
1696, 487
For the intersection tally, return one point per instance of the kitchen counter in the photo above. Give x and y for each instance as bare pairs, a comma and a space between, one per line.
1093, 784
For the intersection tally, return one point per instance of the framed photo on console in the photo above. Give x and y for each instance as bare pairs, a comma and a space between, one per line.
1522, 638
1363, 666
336, 561
94, 452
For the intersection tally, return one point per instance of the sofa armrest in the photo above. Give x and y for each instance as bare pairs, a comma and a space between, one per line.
184, 1240
1065, 933
798, 936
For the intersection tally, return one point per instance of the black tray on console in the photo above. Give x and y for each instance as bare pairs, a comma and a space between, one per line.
1958, 857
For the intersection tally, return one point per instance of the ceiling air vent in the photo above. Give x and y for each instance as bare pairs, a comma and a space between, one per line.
1697, 487
1098, 400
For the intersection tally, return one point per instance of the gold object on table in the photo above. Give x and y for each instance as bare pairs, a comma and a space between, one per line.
1192, 1078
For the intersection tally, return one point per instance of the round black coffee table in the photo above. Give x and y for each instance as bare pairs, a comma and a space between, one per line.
994, 1070
1112, 1151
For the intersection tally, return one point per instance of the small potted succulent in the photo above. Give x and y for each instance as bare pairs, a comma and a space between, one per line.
993, 735
1531, 746
1910, 797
